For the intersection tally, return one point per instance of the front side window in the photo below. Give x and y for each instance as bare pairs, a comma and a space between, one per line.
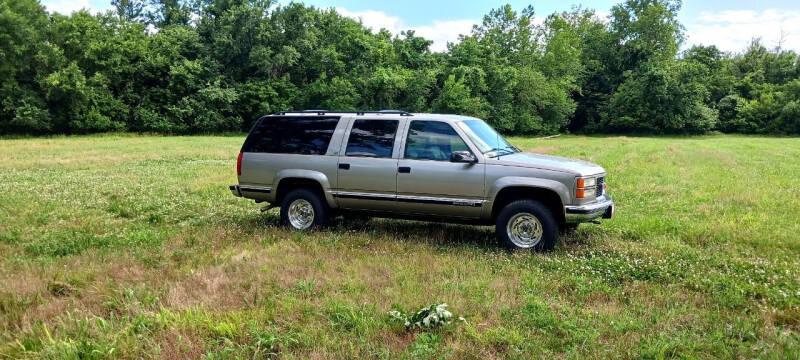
291, 135
372, 138
432, 140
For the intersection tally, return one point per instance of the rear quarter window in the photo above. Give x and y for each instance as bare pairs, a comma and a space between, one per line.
291, 135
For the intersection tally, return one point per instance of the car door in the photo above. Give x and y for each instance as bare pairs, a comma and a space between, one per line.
428, 182
367, 168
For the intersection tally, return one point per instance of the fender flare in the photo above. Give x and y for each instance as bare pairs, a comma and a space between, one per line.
310, 175
557, 187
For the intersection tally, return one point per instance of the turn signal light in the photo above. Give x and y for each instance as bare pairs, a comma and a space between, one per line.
583, 184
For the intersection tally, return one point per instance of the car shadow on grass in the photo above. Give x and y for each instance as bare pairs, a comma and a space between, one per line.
450, 235
440, 235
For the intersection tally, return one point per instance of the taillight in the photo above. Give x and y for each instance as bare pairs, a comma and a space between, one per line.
239, 165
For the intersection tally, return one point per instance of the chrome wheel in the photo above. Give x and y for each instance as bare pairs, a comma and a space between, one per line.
524, 230
301, 214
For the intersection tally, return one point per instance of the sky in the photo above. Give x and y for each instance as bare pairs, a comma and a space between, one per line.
730, 25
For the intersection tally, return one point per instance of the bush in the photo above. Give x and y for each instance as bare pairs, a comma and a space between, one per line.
661, 98
214, 67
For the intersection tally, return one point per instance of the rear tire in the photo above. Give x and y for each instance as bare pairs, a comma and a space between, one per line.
527, 225
302, 209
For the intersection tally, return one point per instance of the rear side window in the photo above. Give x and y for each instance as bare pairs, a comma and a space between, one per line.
372, 138
432, 140
291, 135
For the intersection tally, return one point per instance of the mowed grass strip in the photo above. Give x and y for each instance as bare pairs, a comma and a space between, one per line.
126, 246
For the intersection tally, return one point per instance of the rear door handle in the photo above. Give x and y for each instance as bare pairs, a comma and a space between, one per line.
404, 169
344, 166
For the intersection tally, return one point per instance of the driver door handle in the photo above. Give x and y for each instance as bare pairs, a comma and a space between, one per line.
404, 169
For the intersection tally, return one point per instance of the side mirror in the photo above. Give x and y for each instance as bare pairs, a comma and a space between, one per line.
463, 157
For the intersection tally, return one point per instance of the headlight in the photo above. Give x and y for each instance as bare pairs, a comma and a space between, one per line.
584, 187
586, 182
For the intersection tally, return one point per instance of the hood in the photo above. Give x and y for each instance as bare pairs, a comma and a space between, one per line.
549, 162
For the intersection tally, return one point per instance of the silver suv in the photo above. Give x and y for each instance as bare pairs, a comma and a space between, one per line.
315, 164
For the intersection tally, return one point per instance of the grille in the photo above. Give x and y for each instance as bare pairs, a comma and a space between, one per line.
599, 189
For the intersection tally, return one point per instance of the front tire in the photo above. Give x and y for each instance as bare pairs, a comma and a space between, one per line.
527, 225
302, 209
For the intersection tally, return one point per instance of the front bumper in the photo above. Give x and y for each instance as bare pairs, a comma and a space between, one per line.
602, 207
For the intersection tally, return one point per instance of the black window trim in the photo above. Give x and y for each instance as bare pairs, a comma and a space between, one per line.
408, 132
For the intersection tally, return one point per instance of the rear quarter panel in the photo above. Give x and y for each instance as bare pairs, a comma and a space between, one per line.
267, 169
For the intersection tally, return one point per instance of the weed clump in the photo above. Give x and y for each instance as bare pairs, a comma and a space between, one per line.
430, 317
58, 288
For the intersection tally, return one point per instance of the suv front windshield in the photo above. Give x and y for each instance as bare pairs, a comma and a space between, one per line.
485, 138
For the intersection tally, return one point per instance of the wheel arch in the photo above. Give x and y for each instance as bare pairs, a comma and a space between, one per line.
552, 196
290, 179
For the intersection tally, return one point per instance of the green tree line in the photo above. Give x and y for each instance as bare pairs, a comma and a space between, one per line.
203, 66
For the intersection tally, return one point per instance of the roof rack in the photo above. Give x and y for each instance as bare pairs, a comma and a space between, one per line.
323, 112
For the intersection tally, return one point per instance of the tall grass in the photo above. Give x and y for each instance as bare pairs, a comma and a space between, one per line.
125, 246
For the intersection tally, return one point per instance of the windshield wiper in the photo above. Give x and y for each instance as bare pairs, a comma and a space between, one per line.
510, 149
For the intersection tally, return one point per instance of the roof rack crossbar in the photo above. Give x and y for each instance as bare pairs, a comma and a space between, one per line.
360, 112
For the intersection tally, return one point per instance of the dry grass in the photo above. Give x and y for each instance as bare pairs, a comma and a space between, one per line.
131, 247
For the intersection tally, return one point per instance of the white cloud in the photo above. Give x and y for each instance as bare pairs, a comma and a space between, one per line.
602, 15
440, 32
66, 7
373, 19
732, 30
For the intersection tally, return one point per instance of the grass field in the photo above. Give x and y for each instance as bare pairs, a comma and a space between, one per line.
132, 246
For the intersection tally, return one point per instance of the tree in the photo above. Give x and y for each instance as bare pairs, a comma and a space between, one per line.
164, 13
129, 10
455, 98
181, 66
522, 85
22, 49
646, 31
662, 97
